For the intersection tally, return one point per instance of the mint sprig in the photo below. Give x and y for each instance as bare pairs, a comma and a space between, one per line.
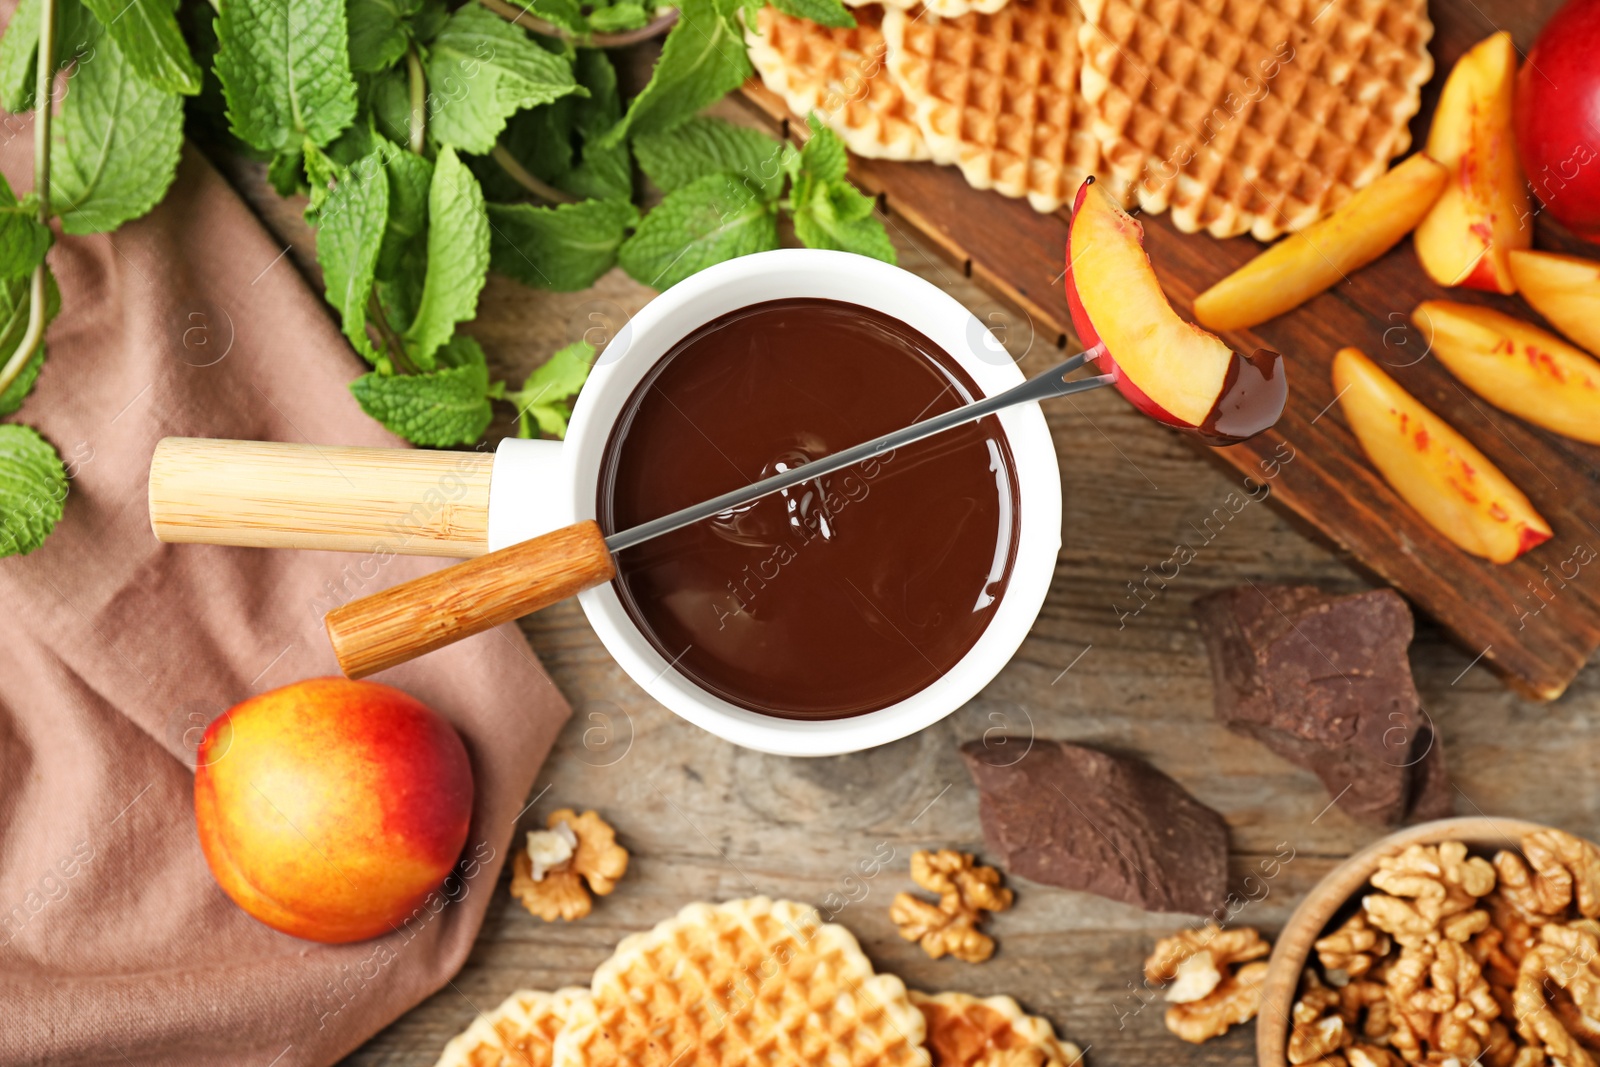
735, 210
545, 399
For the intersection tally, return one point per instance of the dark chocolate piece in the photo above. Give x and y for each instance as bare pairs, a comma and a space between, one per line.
1080, 818
1324, 682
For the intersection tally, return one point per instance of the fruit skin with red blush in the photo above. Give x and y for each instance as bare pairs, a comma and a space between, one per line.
1516, 366
1171, 370
1557, 117
1482, 215
331, 809
1454, 487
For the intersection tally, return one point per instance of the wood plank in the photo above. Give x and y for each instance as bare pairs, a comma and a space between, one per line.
1529, 623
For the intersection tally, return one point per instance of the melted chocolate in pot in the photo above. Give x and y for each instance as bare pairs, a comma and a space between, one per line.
842, 595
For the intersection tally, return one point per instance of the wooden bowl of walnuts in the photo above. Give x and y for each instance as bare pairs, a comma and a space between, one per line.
1470, 939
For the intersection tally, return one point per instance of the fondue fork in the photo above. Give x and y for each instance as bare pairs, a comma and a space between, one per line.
418, 616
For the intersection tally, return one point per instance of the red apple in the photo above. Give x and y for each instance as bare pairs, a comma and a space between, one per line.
332, 809
1558, 116
1170, 369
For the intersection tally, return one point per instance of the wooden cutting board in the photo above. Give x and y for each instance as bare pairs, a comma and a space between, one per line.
1535, 621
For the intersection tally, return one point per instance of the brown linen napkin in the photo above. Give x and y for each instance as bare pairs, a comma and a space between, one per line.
116, 947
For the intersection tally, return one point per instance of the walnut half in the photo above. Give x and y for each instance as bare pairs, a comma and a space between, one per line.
575, 855
1215, 977
1235, 1000
966, 890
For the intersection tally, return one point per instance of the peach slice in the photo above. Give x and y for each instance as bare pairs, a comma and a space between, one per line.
1170, 369
1482, 215
1516, 366
1433, 468
1564, 289
1304, 264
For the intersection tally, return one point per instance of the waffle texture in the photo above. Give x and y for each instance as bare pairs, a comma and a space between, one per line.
839, 75
998, 96
966, 1031
748, 981
1255, 116
521, 1032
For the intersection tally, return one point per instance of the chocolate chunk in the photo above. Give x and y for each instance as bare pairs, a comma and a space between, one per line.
1079, 818
1324, 682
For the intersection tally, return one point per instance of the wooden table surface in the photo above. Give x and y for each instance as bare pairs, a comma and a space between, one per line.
705, 820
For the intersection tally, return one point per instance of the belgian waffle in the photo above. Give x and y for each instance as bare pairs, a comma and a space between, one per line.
998, 95
839, 75
966, 1031
1254, 116
521, 1032
751, 980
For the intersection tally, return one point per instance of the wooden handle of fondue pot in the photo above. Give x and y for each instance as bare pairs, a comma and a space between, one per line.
264, 494
415, 617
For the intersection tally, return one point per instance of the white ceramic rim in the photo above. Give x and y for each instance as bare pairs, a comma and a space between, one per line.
799, 273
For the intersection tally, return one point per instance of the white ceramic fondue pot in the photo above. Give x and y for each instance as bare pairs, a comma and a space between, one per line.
411, 502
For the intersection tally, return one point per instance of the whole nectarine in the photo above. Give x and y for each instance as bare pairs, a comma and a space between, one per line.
1557, 116
330, 809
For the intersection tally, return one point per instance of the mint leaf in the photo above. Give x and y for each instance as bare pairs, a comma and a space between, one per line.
458, 257
604, 171
568, 14
706, 145
147, 33
702, 60
285, 71
546, 141
19, 48
545, 398
350, 232
287, 171
838, 216
481, 70
115, 144
565, 247
23, 238
19, 54
378, 37
450, 406
22, 384
410, 176
387, 98
541, 139
33, 490
13, 324
823, 158
427, 20
707, 221
400, 285
321, 173
823, 12
619, 18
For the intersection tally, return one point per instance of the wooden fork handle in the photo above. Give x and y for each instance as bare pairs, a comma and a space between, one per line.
416, 617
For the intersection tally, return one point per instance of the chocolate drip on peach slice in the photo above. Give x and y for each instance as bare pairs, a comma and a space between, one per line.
1171, 370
